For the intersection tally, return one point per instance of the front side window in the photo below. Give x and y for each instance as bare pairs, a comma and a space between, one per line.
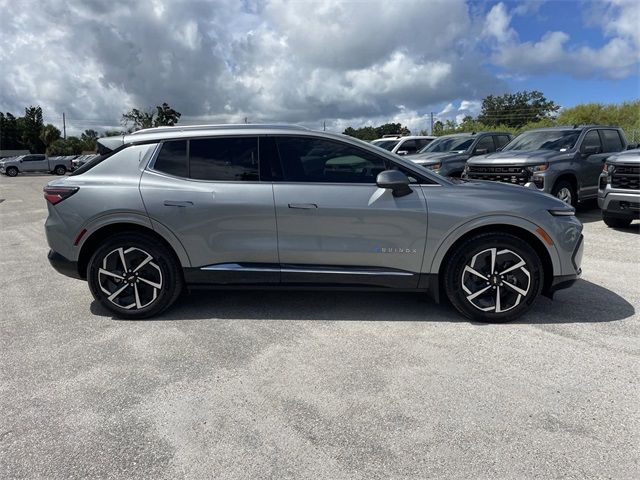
611, 141
408, 146
486, 143
591, 141
324, 161
224, 159
558, 140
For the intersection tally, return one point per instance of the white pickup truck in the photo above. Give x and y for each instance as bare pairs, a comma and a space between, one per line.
35, 163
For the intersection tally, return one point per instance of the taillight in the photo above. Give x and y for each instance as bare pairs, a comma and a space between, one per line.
57, 194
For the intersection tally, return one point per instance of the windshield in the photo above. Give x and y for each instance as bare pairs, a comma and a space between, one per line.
449, 144
559, 140
386, 144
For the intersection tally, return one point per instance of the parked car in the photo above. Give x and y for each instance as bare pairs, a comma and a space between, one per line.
408, 145
619, 189
448, 155
82, 159
563, 161
34, 163
275, 206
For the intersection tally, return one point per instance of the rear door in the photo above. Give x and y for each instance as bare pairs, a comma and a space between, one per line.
335, 226
209, 194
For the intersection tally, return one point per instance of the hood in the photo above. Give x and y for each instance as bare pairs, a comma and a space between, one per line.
511, 157
437, 157
489, 188
629, 157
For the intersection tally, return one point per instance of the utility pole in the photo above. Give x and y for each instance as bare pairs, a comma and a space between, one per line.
324, 126
64, 126
432, 122
246, 119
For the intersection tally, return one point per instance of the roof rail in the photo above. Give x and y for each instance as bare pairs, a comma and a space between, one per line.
223, 126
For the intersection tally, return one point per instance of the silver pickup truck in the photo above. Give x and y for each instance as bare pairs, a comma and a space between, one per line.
35, 163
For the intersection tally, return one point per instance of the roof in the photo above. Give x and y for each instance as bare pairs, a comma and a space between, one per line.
466, 134
570, 127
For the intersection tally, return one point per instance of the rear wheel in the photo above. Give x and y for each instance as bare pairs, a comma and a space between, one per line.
134, 276
615, 222
60, 170
563, 190
12, 171
493, 277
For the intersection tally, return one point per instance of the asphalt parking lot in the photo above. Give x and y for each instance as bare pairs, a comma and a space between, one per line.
314, 384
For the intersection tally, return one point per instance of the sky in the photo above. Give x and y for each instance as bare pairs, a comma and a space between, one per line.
330, 62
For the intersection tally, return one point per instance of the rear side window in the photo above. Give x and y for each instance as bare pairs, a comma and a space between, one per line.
324, 161
486, 143
224, 159
502, 140
172, 159
611, 141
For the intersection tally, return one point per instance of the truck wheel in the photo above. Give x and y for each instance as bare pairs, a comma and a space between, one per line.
564, 191
134, 276
60, 170
615, 222
12, 171
493, 277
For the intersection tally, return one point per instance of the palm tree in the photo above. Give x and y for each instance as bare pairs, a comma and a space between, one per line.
49, 134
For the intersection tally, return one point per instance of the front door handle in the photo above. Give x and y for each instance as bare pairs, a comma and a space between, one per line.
178, 203
304, 206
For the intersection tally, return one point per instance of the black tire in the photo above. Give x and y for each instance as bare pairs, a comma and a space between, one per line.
560, 190
615, 222
12, 172
513, 304
60, 170
162, 270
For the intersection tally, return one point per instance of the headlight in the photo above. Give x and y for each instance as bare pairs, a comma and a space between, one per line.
537, 168
608, 168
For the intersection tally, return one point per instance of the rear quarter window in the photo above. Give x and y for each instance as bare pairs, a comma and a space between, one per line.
611, 141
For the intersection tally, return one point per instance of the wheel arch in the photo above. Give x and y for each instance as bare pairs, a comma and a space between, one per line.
92, 241
570, 177
518, 227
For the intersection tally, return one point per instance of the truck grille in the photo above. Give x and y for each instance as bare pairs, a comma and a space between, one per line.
499, 173
626, 177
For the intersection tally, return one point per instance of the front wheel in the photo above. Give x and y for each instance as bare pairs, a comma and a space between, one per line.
564, 191
615, 222
134, 276
12, 172
493, 277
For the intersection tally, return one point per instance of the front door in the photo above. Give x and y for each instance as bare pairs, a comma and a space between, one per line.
592, 159
34, 163
335, 226
209, 194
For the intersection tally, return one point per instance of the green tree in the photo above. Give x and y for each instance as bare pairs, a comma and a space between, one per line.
30, 127
371, 133
10, 138
70, 146
49, 134
163, 115
516, 109
438, 128
113, 133
625, 115
89, 138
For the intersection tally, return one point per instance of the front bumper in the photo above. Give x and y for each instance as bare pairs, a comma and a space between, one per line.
561, 282
63, 265
619, 204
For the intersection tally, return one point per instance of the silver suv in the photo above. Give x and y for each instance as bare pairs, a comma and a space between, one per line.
275, 206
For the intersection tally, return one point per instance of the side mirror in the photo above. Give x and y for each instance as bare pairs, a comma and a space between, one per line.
480, 151
402, 152
394, 180
632, 146
590, 150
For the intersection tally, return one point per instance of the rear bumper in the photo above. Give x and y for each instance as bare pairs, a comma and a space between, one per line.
63, 265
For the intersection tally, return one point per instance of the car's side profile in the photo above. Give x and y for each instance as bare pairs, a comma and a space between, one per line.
286, 207
35, 163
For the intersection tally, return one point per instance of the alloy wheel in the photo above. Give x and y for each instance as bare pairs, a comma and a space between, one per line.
130, 278
564, 194
496, 280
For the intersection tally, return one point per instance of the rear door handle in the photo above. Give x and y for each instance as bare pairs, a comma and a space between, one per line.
304, 206
177, 203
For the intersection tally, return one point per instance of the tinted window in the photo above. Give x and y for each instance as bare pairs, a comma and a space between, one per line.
423, 142
386, 144
409, 146
224, 159
486, 143
172, 159
457, 143
611, 141
503, 140
316, 160
591, 139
